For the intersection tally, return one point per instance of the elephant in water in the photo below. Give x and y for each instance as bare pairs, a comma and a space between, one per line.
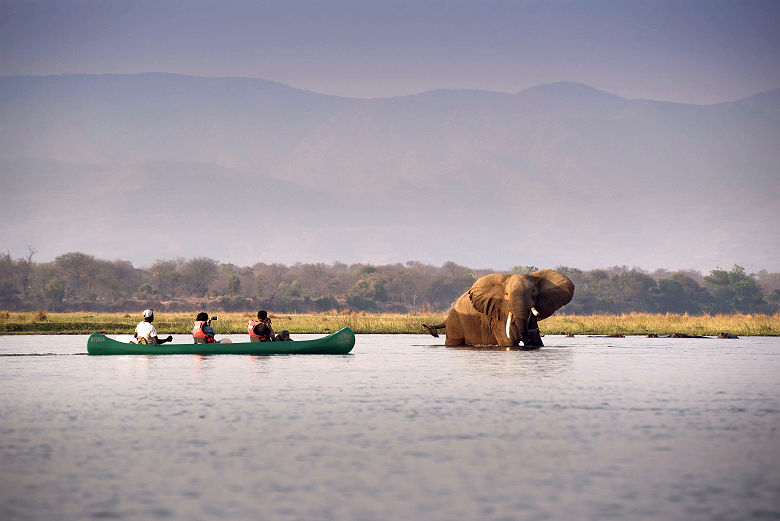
503, 309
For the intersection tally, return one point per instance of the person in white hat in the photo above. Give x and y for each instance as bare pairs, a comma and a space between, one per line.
146, 333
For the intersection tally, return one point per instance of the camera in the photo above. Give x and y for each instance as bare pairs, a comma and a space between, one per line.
215, 317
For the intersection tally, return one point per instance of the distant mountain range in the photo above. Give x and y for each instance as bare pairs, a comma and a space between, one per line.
149, 166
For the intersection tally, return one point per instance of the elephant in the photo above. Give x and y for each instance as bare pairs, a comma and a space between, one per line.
503, 309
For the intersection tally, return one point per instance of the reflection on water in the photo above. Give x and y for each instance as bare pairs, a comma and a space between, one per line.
585, 428
514, 363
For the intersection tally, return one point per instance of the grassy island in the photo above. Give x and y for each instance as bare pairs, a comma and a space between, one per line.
41, 322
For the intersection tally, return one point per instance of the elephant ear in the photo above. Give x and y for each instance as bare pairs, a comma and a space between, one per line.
555, 291
487, 295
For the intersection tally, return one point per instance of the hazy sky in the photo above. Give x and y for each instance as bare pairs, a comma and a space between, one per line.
688, 51
698, 51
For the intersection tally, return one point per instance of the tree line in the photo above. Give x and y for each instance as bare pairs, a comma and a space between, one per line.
80, 282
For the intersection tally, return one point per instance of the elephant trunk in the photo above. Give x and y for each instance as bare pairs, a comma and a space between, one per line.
525, 327
534, 338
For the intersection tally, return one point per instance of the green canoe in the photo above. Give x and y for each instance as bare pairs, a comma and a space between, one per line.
339, 343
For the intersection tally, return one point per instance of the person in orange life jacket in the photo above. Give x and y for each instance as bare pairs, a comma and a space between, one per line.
202, 332
260, 330
146, 333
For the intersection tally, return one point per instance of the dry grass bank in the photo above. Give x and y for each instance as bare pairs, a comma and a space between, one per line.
663, 324
41, 322
228, 323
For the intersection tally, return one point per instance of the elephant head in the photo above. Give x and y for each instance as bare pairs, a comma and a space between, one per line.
514, 303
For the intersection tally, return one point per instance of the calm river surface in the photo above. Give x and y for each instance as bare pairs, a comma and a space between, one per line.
401, 429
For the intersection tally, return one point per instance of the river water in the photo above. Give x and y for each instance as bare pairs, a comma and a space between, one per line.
401, 429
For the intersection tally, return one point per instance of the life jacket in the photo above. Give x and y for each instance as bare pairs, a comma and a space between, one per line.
251, 330
197, 332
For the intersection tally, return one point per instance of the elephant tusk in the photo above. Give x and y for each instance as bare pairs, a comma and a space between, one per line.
508, 323
533, 310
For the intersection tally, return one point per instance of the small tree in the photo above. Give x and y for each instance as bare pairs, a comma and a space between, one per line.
26, 269
233, 284
737, 289
55, 290
198, 274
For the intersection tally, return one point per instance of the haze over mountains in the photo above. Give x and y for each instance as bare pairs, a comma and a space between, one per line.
150, 166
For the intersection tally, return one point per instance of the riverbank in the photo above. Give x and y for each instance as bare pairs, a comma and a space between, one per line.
40, 322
